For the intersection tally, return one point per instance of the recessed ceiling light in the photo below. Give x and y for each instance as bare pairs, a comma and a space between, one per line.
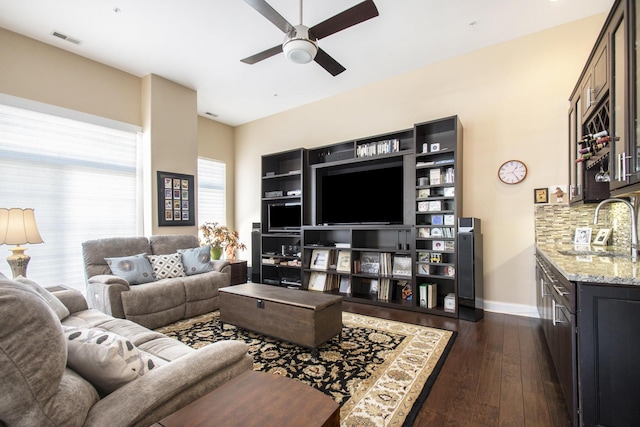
117, 10
473, 23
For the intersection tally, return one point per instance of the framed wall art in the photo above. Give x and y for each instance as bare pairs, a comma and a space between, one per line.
176, 203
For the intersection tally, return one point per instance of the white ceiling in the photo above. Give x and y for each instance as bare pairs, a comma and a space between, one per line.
199, 43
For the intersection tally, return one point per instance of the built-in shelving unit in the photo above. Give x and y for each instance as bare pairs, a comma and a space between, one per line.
379, 218
438, 204
283, 214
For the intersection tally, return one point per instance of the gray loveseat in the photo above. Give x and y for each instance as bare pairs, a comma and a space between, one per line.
159, 302
51, 377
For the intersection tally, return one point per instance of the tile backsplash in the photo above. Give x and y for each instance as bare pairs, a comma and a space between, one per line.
557, 223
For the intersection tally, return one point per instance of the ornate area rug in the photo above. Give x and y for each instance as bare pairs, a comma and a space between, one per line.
380, 371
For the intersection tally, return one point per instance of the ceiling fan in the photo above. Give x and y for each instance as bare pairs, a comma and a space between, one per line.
301, 42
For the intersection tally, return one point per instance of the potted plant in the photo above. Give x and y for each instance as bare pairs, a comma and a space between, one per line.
220, 237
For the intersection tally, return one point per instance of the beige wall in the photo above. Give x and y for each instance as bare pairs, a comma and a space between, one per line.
36, 71
512, 101
215, 141
173, 132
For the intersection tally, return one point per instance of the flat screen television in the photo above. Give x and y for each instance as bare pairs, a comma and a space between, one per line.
285, 216
372, 194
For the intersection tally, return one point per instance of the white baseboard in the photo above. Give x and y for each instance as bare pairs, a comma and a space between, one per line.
509, 308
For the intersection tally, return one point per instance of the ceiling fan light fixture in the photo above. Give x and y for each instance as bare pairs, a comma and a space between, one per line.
300, 51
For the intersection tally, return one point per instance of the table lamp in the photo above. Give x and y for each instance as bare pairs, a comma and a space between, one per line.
17, 227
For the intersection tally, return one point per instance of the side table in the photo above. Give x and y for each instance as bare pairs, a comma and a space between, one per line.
238, 271
261, 399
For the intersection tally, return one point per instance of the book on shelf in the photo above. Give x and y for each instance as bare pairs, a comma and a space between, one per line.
437, 245
424, 256
320, 259
434, 176
436, 232
428, 295
317, 281
345, 285
435, 205
444, 161
435, 257
342, 245
424, 232
370, 263
449, 245
424, 269
449, 191
385, 263
449, 176
423, 193
344, 262
423, 206
373, 287
402, 265
449, 219
437, 219
383, 292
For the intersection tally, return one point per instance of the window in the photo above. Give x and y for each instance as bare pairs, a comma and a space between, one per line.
212, 205
82, 179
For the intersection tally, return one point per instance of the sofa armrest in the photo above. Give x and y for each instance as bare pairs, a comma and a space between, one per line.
103, 293
170, 387
71, 298
221, 266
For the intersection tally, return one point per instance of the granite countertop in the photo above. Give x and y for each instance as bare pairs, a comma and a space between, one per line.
584, 264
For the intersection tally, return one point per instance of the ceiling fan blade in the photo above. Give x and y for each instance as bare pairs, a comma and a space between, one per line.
264, 9
350, 17
262, 55
328, 63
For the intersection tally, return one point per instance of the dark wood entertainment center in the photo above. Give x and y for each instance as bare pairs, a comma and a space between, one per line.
412, 236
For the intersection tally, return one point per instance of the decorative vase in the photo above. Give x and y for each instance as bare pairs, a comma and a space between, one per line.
216, 252
230, 252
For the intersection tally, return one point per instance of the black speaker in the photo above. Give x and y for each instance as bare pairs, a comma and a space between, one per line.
470, 270
256, 251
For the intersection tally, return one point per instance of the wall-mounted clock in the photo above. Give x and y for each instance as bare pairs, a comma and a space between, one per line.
512, 172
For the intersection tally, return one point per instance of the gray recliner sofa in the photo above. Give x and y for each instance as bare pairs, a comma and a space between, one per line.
159, 302
51, 378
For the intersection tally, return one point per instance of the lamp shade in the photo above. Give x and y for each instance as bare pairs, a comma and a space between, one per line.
18, 226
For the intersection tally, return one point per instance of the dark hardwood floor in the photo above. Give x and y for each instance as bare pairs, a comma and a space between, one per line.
498, 373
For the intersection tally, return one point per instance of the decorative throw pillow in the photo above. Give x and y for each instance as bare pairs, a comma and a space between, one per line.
196, 260
134, 269
167, 266
56, 305
106, 360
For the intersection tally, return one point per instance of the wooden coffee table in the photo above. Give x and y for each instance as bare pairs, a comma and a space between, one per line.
255, 399
302, 317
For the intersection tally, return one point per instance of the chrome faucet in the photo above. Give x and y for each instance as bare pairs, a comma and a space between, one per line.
634, 231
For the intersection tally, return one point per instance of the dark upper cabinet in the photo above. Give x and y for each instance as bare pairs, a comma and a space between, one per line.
606, 98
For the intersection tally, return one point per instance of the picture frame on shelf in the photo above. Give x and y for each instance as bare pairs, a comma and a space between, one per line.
602, 237
424, 232
541, 195
319, 259
370, 263
423, 193
582, 236
344, 262
438, 245
401, 265
317, 281
345, 285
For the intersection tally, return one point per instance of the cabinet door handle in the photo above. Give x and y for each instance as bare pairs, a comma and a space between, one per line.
554, 316
560, 291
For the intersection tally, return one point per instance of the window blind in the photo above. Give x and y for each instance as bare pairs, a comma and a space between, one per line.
82, 180
212, 206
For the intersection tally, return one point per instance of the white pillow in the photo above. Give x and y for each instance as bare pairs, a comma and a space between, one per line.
56, 305
106, 360
166, 266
